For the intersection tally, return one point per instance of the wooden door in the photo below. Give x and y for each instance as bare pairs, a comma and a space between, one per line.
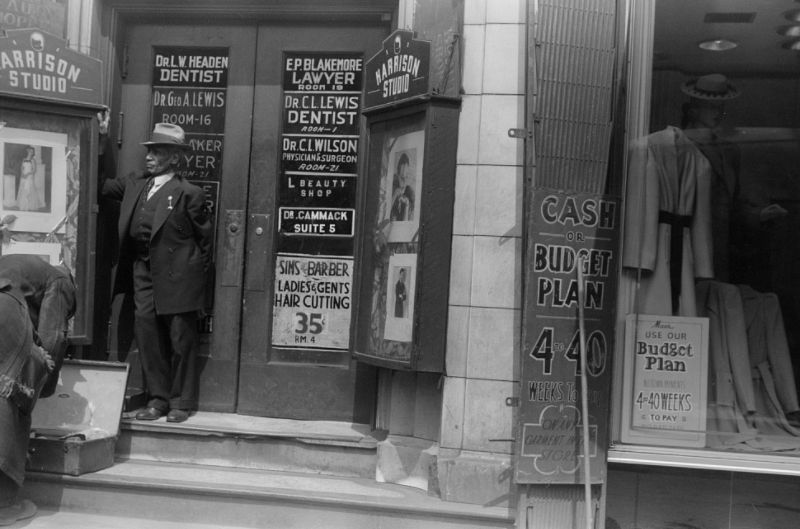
277, 380
237, 160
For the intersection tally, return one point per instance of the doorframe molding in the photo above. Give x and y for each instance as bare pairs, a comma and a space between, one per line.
114, 16
246, 10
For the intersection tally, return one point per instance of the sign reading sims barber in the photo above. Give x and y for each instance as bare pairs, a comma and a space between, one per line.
566, 229
312, 305
37, 64
400, 71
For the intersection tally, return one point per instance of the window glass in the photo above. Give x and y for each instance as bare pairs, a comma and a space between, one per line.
711, 252
43, 156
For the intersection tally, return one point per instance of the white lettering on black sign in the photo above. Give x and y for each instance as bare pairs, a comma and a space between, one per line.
319, 144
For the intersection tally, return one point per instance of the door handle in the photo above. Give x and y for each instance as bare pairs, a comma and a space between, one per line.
233, 249
259, 250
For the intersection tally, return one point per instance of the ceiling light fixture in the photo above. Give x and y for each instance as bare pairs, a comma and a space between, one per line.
717, 45
792, 45
793, 15
789, 31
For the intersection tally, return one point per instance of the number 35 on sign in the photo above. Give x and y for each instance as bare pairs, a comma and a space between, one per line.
308, 326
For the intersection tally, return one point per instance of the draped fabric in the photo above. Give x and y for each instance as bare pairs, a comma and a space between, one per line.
771, 363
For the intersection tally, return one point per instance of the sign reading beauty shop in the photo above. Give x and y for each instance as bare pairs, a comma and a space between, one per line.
566, 230
38, 64
398, 72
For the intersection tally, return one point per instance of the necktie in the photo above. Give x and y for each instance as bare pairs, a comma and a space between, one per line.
148, 189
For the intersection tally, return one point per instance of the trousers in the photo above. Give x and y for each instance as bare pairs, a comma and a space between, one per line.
167, 346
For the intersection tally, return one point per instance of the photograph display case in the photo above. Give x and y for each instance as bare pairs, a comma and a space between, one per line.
48, 152
405, 255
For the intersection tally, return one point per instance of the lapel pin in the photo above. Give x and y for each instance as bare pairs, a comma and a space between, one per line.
169, 200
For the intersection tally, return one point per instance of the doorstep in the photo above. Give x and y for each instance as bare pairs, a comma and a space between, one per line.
231, 440
221, 424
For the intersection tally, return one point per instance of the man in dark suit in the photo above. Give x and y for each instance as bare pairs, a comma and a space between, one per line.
165, 246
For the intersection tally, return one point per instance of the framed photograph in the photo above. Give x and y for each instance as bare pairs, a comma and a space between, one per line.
34, 187
49, 252
402, 182
400, 297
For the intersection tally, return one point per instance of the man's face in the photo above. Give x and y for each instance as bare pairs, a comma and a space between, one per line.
160, 159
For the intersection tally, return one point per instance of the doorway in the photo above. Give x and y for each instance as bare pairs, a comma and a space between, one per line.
236, 137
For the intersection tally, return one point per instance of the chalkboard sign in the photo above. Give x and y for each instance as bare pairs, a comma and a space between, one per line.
190, 90
319, 151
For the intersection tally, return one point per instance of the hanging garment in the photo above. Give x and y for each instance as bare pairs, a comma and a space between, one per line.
668, 233
771, 363
730, 390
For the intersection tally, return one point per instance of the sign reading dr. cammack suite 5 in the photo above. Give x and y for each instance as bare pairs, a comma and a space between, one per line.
37, 64
398, 72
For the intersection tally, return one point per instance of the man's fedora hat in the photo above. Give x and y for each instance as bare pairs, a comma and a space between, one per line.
712, 87
169, 135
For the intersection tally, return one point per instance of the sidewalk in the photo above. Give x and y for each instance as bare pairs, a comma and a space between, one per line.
47, 519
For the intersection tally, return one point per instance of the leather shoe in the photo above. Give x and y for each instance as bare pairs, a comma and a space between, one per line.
149, 414
176, 415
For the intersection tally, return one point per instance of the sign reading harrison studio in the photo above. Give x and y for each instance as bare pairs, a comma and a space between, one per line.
399, 71
36, 63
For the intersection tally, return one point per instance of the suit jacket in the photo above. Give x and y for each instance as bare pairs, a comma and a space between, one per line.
180, 242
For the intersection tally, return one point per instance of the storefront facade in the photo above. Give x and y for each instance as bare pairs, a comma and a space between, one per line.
565, 111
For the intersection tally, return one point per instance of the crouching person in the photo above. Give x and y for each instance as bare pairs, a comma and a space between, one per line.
33, 294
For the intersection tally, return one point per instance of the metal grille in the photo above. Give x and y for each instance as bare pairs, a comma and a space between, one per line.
575, 59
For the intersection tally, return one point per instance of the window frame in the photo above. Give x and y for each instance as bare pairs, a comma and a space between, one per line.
638, 48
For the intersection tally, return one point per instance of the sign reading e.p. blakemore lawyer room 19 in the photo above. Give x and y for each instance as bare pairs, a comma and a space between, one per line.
399, 71
37, 64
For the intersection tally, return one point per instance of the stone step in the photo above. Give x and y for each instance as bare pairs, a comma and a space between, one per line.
230, 440
148, 493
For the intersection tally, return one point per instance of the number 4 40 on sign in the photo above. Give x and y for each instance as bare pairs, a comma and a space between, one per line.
307, 326
546, 347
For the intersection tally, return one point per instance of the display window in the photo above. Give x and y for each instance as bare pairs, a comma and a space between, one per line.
709, 306
46, 157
